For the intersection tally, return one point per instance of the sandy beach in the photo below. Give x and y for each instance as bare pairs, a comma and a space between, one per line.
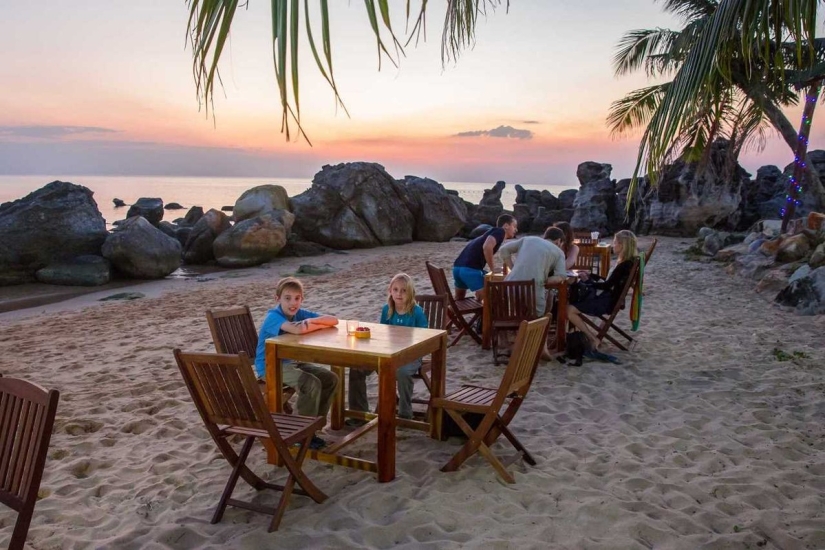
710, 434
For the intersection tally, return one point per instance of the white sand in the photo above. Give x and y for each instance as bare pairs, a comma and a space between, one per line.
701, 439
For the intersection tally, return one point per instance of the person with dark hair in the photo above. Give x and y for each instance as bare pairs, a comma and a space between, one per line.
468, 268
571, 251
539, 259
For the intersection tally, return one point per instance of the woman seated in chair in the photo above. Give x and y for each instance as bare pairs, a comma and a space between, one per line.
603, 300
571, 251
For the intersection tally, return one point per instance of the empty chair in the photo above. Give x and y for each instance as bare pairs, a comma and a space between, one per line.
227, 397
511, 302
233, 331
457, 310
491, 402
26, 420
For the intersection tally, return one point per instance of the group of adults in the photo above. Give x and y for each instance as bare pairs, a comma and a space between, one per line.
545, 259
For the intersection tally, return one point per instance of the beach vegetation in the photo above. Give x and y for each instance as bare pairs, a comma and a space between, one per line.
210, 22
732, 68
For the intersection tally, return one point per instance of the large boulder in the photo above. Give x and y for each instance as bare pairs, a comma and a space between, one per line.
260, 200
763, 197
531, 203
148, 208
142, 251
199, 244
86, 270
354, 205
192, 216
691, 195
254, 241
58, 222
438, 215
596, 207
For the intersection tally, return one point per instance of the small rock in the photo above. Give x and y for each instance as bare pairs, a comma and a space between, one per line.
174, 206
118, 203
307, 269
227, 208
124, 296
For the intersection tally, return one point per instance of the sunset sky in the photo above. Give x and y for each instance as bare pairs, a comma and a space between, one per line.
93, 87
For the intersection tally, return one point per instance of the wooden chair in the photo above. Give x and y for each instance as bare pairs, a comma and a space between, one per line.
26, 420
228, 399
584, 237
588, 259
435, 307
233, 331
607, 321
511, 302
489, 401
457, 310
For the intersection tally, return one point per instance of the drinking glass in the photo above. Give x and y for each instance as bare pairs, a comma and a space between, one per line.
594, 235
352, 326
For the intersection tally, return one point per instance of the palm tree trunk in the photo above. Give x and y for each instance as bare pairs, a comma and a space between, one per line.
782, 125
801, 157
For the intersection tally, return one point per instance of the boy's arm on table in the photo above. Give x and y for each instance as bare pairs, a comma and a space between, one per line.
309, 325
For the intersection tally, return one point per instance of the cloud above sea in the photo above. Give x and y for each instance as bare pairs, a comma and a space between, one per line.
50, 132
499, 132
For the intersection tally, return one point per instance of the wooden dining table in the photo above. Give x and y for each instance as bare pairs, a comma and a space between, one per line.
388, 348
560, 321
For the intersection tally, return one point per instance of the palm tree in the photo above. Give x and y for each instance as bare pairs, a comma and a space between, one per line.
739, 36
211, 20
737, 104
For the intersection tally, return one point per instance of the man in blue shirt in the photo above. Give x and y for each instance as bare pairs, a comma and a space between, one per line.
468, 268
315, 384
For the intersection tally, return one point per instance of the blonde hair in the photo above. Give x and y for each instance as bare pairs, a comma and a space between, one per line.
410, 302
628, 240
289, 283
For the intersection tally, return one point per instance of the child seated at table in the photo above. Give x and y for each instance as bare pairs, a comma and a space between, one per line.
315, 384
400, 310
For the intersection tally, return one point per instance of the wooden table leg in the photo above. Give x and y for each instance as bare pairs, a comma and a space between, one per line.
274, 394
386, 421
438, 373
486, 318
561, 319
604, 262
336, 419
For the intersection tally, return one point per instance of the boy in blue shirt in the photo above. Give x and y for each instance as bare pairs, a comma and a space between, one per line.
315, 384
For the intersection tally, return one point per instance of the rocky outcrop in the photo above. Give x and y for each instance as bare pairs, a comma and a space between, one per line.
254, 241
81, 271
806, 291
690, 196
536, 210
354, 205
438, 215
142, 251
763, 197
199, 244
150, 209
260, 200
58, 222
596, 207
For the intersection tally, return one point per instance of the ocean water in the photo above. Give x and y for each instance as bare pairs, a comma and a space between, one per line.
205, 192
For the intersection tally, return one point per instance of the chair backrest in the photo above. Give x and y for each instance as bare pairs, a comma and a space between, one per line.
435, 307
233, 331
225, 391
629, 283
512, 300
27, 413
439, 281
584, 237
588, 258
524, 359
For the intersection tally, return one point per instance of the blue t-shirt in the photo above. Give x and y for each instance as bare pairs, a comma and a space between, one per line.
272, 327
415, 318
473, 254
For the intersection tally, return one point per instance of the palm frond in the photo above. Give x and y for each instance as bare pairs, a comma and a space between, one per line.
635, 109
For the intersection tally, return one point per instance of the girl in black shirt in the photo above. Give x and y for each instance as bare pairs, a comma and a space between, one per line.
608, 291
